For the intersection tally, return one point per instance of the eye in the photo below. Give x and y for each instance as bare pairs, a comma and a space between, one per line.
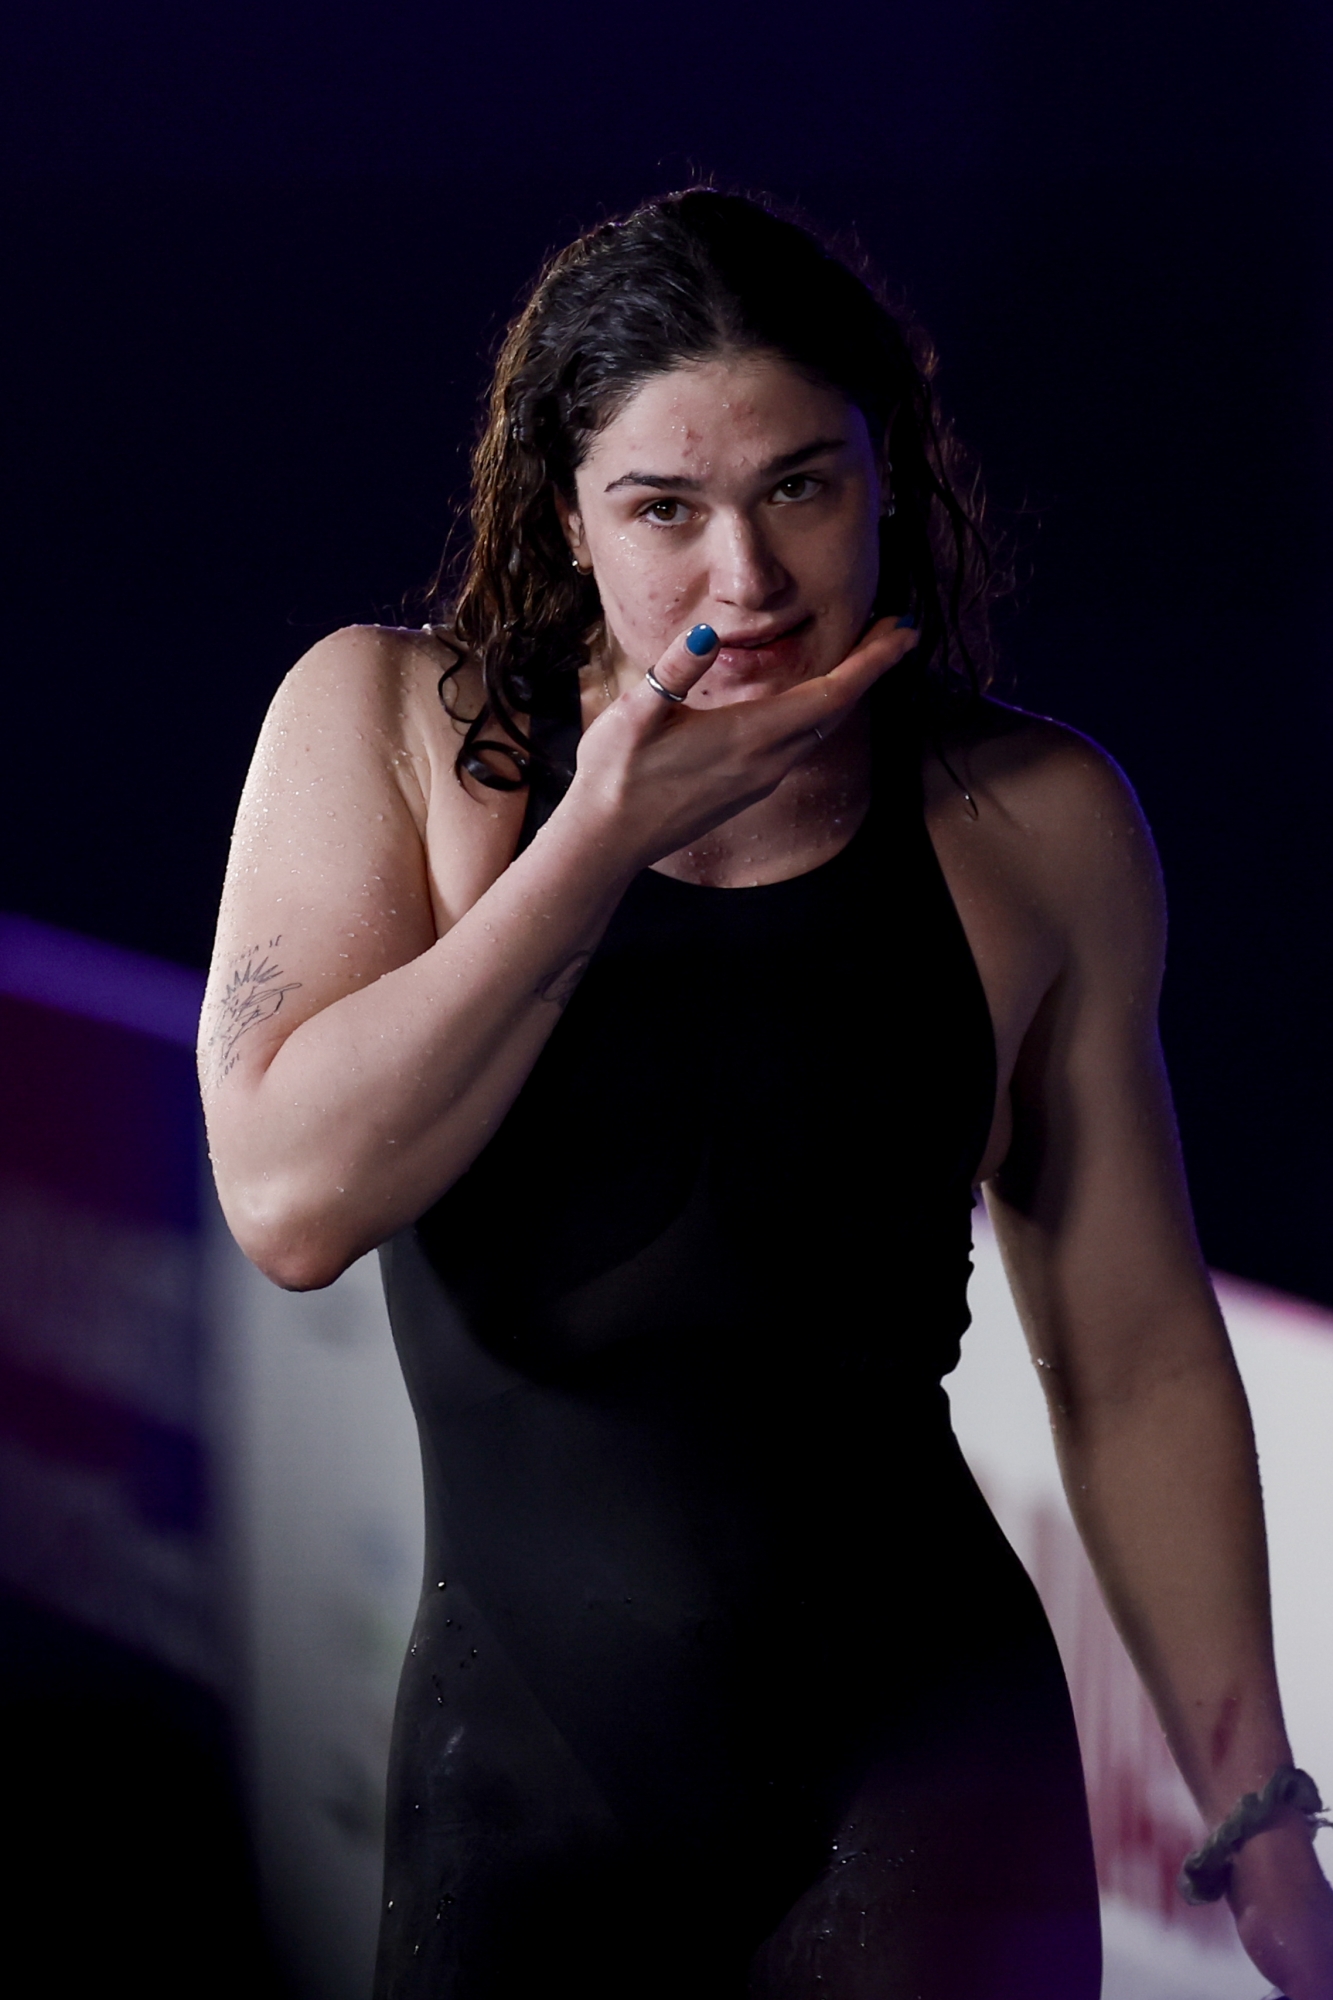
797, 486
665, 513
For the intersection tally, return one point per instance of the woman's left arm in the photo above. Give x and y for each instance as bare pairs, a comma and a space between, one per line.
1150, 1419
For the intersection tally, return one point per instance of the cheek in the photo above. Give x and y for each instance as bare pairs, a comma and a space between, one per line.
839, 570
642, 590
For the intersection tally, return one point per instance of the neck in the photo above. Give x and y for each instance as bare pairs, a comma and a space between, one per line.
810, 816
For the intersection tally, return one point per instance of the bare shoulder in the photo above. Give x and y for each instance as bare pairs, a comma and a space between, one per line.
374, 705
355, 847
1033, 767
374, 691
1039, 819
1049, 788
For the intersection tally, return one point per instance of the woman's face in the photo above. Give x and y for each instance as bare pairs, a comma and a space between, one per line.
738, 494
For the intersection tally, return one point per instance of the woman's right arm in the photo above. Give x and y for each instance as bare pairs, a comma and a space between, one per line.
376, 1001
353, 1062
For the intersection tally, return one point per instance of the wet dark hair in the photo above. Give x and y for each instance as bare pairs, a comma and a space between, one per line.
680, 280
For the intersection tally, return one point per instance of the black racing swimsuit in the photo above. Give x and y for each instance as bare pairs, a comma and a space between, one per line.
724, 1681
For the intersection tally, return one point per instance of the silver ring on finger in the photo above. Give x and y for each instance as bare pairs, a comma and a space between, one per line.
657, 687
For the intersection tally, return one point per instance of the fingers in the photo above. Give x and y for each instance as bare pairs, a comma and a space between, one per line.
888, 641
818, 706
815, 707
684, 662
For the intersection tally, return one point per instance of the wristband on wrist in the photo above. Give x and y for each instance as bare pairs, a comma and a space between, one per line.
1206, 1875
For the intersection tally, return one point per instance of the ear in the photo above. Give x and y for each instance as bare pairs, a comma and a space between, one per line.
571, 521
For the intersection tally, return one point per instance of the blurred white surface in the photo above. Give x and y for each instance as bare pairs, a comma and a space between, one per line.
1147, 1961
1144, 1820
326, 1561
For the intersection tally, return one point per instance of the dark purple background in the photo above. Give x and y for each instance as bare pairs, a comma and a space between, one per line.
258, 254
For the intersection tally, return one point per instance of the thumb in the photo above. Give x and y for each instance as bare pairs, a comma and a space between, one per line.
685, 661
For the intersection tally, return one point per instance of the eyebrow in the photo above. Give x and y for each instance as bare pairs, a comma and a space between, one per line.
788, 462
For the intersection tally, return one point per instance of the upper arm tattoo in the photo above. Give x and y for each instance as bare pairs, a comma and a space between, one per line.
253, 993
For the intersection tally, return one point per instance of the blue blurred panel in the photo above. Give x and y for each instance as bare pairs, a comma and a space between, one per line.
98, 1104
104, 1460
98, 981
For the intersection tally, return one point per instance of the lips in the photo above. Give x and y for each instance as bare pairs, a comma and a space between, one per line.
757, 642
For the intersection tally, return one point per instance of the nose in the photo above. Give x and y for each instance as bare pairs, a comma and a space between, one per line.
746, 571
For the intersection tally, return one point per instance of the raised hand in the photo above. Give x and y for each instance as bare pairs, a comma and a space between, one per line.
669, 771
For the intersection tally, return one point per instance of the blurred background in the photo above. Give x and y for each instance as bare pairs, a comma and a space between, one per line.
256, 258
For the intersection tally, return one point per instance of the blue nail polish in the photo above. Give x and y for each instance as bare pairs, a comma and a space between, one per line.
907, 622
700, 641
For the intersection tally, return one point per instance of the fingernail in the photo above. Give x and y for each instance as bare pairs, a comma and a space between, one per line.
700, 641
907, 622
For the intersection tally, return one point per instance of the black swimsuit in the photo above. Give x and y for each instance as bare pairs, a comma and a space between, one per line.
725, 1682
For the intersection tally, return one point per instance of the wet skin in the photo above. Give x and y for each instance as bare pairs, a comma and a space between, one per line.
419, 967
